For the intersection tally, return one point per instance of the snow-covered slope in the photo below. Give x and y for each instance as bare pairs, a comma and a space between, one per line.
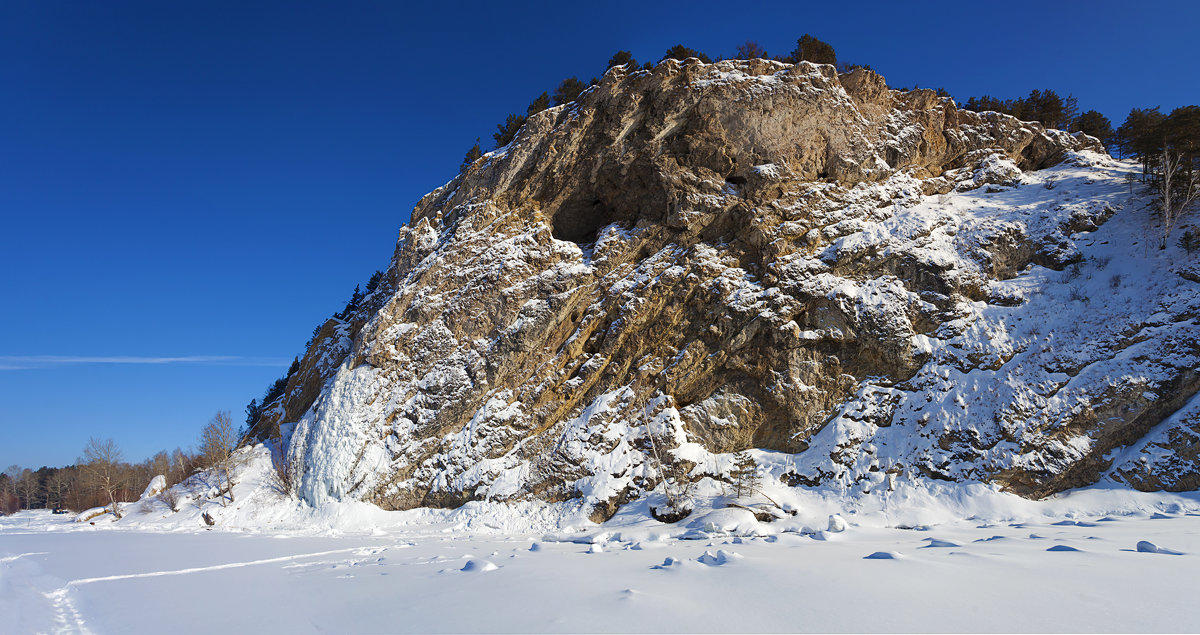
869, 286
262, 504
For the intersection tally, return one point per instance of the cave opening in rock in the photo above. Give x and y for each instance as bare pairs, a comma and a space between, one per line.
580, 220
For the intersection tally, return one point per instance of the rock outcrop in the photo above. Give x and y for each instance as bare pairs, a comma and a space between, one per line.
705, 257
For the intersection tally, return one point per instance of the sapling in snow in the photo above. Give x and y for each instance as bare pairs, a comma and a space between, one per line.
744, 474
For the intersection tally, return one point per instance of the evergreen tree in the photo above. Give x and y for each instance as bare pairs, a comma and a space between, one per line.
744, 474
1044, 107
351, 304
1095, 124
1181, 130
987, 103
1070, 112
622, 58
844, 68
275, 391
538, 105
810, 49
377, 277
253, 412
568, 91
472, 156
295, 367
507, 131
1140, 135
681, 53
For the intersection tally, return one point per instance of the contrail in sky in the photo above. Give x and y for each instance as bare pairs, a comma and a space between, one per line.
27, 362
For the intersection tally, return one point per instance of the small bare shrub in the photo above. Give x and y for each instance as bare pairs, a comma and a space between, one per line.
170, 498
1115, 281
283, 481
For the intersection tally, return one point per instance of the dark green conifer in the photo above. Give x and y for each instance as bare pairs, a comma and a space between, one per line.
472, 156
810, 49
507, 131
1095, 124
681, 52
568, 91
622, 58
538, 105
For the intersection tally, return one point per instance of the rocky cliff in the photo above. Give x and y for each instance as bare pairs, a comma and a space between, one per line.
869, 283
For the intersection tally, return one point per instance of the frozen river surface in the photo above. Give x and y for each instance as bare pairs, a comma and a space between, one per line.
1076, 575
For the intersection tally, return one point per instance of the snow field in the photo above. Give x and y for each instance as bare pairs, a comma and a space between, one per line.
960, 576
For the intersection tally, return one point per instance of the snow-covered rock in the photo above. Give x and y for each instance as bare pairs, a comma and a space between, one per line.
88, 515
870, 287
156, 487
836, 523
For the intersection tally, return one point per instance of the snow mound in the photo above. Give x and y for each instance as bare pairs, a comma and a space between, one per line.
1145, 546
730, 520
479, 566
722, 557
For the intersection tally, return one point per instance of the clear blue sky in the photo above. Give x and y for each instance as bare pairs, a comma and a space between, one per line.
188, 188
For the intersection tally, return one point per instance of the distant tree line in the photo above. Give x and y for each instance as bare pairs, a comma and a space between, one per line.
101, 477
1044, 106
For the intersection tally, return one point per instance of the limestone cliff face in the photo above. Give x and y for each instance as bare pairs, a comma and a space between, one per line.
706, 257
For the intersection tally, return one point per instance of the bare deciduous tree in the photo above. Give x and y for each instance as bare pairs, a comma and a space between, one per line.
57, 488
181, 466
101, 464
29, 487
1178, 187
676, 482
217, 442
749, 50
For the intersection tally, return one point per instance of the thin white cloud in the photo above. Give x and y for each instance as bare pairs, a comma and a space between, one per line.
28, 362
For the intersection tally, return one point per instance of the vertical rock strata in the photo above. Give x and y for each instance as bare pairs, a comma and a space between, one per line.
748, 253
